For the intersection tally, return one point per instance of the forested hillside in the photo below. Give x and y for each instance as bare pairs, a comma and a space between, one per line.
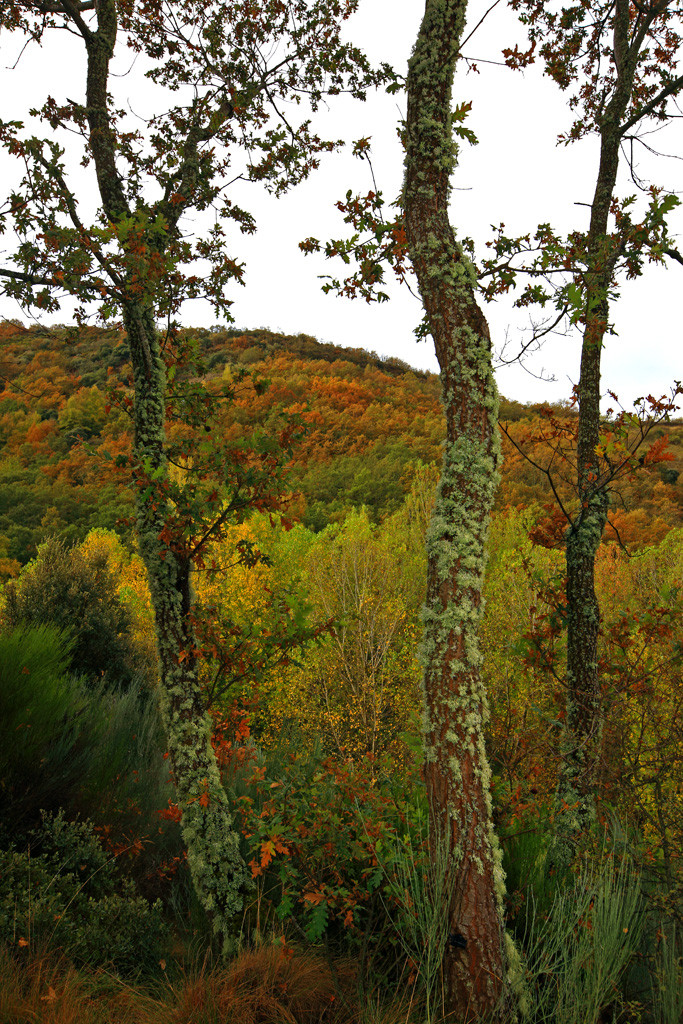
331, 691
308, 617
364, 427
307, 627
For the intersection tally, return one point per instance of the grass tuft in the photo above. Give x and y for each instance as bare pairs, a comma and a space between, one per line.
43, 988
270, 985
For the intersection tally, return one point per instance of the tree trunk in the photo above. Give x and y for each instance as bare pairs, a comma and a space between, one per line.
455, 706
218, 871
583, 727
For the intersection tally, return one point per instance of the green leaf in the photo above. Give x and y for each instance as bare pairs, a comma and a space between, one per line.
316, 922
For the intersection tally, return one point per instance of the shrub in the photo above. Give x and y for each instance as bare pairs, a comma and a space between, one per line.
75, 590
41, 717
69, 895
64, 745
322, 840
531, 876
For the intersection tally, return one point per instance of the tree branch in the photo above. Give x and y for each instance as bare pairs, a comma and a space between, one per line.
72, 210
18, 275
48, 282
73, 9
183, 182
673, 254
100, 47
669, 90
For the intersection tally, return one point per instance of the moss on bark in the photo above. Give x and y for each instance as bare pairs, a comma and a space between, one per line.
218, 871
455, 707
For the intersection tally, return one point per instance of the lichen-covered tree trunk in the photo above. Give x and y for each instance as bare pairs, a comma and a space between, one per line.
455, 706
581, 747
583, 722
212, 842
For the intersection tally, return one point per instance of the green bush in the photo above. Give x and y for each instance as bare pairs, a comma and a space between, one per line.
42, 758
126, 764
68, 896
66, 745
531, 876
75, 591
72, 848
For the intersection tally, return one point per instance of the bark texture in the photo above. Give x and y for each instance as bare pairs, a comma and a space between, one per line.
581, 754
218, 872
455, 706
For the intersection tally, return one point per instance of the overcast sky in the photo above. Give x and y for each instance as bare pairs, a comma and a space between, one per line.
516, 175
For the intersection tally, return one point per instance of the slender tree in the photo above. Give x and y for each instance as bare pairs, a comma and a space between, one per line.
479, 962
457, 772
224, 73
617, 60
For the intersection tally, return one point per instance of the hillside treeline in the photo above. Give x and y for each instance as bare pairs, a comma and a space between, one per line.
364, 427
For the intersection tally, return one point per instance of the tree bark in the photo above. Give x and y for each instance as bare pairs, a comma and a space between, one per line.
583, 727
456, 769
218, 871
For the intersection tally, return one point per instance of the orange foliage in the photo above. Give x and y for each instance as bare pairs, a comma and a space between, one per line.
352, 404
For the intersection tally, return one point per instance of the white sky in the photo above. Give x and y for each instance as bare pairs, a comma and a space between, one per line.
516, 174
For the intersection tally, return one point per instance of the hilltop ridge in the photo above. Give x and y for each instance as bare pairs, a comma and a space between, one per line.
371, 423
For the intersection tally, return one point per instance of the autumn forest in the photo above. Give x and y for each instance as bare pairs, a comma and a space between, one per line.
332, 691
312, 663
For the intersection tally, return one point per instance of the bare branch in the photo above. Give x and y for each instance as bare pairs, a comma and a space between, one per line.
479, 23
674, 254
545, 470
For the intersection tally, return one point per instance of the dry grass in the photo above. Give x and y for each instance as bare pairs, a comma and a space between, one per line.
40, 988
271, 985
